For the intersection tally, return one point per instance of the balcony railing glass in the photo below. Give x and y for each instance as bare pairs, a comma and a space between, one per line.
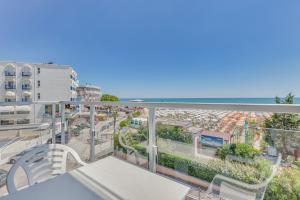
26, 87
26, 99
10, 87
26, 74
7, 73
222, 147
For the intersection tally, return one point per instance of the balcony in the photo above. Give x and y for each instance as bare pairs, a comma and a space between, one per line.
10, 87
207, 151
26, 87
9, 74
26, 99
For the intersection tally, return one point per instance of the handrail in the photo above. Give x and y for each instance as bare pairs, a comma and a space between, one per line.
6, 145
276, 108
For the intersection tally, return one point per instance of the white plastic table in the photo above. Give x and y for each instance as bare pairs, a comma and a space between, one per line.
109, 178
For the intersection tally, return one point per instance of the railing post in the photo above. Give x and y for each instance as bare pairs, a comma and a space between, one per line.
152, 140
92, 131
53, 123
63, 123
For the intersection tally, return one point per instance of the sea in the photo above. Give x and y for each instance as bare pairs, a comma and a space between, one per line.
211, 100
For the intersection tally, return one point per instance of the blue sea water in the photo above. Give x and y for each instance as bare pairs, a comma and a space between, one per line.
211, 100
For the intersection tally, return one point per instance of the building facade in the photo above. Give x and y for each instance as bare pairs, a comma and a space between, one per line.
33, 82
88, 93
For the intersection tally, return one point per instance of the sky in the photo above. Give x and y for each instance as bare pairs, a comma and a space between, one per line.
162, 48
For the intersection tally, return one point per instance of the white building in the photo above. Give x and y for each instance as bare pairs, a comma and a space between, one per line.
138, 122
33, 82
88, 93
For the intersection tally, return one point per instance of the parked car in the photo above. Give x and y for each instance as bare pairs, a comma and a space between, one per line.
3, 175
14, 159
58, 138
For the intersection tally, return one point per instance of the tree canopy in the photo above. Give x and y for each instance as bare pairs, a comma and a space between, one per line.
109, 97
285, 121
281, 126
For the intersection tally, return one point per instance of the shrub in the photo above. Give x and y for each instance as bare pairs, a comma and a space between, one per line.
285, 186
173, 133
297, 163
136, 114
240, 150
206, 169
125, 123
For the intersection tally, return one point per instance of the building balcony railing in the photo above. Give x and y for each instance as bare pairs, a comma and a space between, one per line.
10, 74
27, 99
9, 100
10, 87
26, 74
220, 148
26, 87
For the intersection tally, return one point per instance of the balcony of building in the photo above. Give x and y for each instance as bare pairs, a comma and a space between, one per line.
9, 74
175, 151
10, 85
10, 96
26, 71
26, 87
26, 74
26, 96
10, 71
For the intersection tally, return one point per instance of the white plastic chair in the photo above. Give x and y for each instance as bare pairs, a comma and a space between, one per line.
232, 189
41, 163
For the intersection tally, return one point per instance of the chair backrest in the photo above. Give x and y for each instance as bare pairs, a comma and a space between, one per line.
236, 190
41, 163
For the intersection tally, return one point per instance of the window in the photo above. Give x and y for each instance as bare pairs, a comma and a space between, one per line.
10, 100
38, 70
23, 121
7, 113
7, 122
48, 109
26, 99
39, 83
23, 112
39, 96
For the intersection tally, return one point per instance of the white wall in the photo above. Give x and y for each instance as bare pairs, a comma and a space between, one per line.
55, 84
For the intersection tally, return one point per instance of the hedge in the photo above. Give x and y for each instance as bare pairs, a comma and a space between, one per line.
285, 186
207, 169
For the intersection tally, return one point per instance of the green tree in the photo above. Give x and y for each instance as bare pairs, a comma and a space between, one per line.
173, 133
109, 97
281, 125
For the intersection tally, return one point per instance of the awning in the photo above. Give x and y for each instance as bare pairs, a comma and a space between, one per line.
10, 94
26, 93
23, 108
6, 109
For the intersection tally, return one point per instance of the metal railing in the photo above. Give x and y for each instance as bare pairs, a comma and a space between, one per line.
152, 107
10, 74
26, 87
26, 74
10, 87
